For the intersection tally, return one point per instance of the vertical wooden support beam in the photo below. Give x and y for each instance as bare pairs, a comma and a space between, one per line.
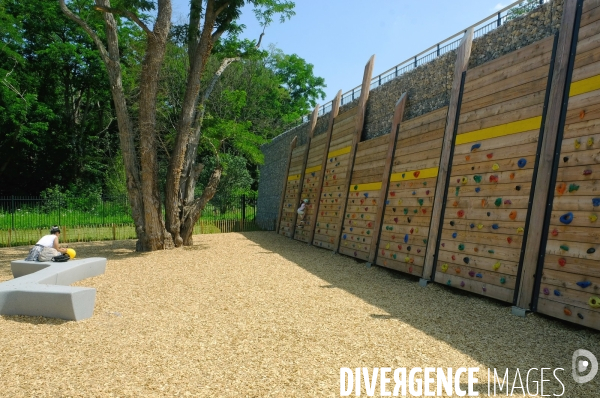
311, 132
462, 62
387, 170
335, 109
285, 181
556, 101
358, 127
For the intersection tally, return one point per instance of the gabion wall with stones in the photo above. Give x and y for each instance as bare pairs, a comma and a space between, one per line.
428, 88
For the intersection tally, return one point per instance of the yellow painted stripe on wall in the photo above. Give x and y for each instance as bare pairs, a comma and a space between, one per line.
585, 86
310, 170
294, 177
339, 152
415, 174
533, 123
374, 186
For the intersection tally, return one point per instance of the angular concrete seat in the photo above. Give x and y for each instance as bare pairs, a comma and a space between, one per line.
42, 289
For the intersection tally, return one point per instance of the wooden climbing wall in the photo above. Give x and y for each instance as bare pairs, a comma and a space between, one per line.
334, 191
363, 198
492, 169
570, 283
292, 190
409, 201
310, 188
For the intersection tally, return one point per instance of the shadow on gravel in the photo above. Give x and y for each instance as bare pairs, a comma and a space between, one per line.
480, 327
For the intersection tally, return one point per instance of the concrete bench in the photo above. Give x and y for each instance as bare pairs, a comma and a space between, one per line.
42, 289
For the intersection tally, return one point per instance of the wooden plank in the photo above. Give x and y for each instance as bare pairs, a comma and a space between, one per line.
590, 318
335, 107
358, 127
503, 107
393, 136
285, 183
433, 116
590, 17
474, 286
462, 62
546, 158
501, 119
506, 95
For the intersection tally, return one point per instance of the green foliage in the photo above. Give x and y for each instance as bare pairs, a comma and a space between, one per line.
522, 9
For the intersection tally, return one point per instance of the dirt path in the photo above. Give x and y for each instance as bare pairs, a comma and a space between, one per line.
256, 314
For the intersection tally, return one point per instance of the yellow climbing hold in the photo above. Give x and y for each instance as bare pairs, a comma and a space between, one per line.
387, 247
417, 230
496, 167
480, 226
407, 259
444, 267
593, 218
400, 202
594, 302
590, 142
520, 230
577, 144
465, 180
497, 266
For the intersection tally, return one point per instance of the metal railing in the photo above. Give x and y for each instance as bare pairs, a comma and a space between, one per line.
451, 43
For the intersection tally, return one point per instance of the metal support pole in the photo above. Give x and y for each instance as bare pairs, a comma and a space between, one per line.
499, 19
438, 49
415, 61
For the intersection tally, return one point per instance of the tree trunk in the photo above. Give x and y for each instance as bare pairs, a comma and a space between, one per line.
192, 212
156, 236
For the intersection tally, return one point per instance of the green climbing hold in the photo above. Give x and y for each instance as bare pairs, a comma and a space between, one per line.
491, 251
503, 280
415, 211
420, 202
356, 187
449, 283
457, 191
564, 247
461, 247
405, 211
327, 225
362, 216
347, 215
368, 232
477, 179
398, 185
573, 188
424, 182
425, 241
498, 202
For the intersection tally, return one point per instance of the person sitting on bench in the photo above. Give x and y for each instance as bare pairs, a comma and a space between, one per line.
47, 247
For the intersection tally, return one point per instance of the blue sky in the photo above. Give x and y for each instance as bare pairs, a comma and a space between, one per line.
339, 36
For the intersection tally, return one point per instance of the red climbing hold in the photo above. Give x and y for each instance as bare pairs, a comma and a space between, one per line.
587, 172
392, 193
493, 178
455, 204
490, 155
561, 188
424, 211
509, 240
461, 213
416, 174
555, 232
453, 257
562, 262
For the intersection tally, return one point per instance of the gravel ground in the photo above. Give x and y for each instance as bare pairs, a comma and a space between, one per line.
256, 314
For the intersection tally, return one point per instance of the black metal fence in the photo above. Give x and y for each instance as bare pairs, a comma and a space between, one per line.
24, 219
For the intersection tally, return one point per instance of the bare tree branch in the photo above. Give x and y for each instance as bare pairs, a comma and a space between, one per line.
128, 14
11, 87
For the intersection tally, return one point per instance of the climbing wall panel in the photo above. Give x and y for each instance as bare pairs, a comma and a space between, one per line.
292, 190
491, 174
570, 283
363, 198
334, 191
409, 201
310, 188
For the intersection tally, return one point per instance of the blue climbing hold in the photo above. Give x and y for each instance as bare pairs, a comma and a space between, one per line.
313, 174
454, 235
472, 225
479, 275
495, 226
557, 293
476, 146
477, 189
387, 202
366, 194
566, 218
344, 236
414, 193
584, 284
596, 202
522, 163
406, 238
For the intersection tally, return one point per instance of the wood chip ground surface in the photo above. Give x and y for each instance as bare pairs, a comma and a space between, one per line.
258, 315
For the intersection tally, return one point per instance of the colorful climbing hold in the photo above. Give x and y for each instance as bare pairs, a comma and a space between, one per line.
596, 202
405, 211
461, 213
546, 291
477, 189
579, 315
509, 240
498, 202
420, 201
512, 176
490, 155
491, 251
518, 187
577, 144
594, 302
520, 230
503, 280
584, 284
452, 223
564, 247
462, 283
567, 312
479, 276
477, 179
561, 188
495, 167
416, 174
590, 142
497, 266
474, 147
493, 178
587, 172
457, 191
479, 226
513, 215
495, 226
449, 283
593, 218
573, 188
406, 238
461, 247
464, 180
472, 225
591, 251
467, 260
566, 218
472, 274
454, 235
562, 262
557, 292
